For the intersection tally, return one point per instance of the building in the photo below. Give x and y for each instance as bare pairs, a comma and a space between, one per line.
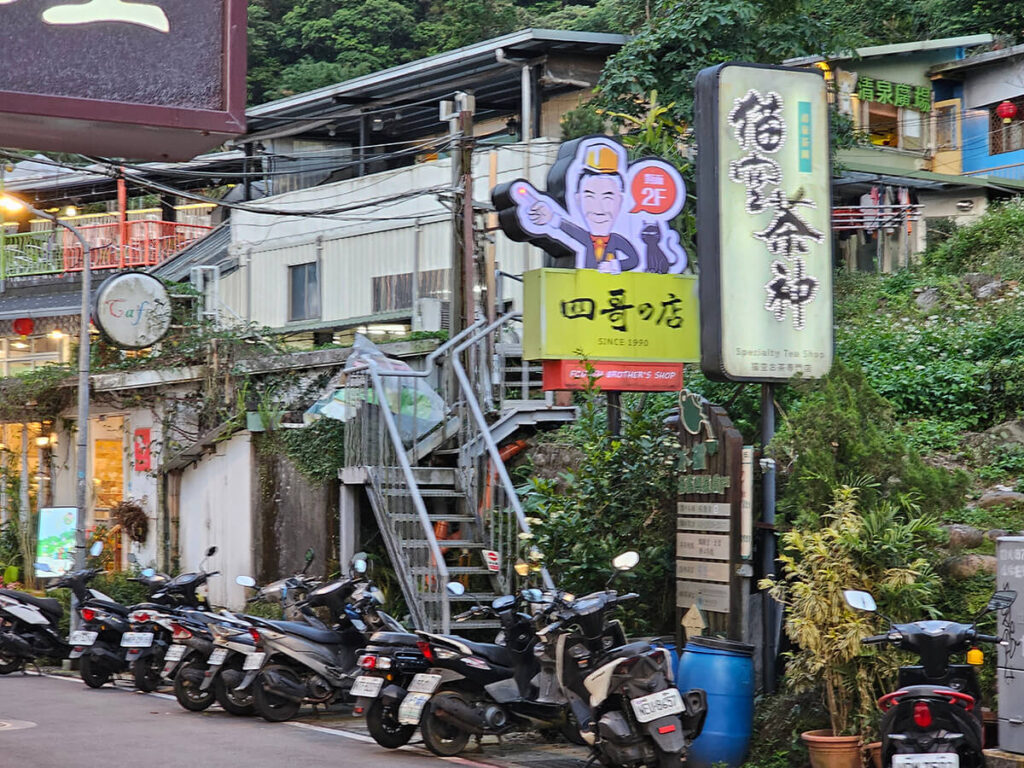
927, 151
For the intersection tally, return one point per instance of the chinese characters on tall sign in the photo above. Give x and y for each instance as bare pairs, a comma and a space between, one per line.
764, 222
917, 97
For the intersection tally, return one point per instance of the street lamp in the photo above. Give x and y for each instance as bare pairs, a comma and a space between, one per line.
82, 444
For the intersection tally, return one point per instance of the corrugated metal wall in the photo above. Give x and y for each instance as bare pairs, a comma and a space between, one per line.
367, 242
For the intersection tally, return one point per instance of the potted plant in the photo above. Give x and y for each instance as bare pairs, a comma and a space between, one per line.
877, 550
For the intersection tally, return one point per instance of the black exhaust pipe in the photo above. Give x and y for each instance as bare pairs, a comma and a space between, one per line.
16, 645
283, 685
461, 714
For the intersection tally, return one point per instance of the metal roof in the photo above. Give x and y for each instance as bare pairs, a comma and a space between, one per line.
980, 60
210, 251
408, 95
44, 297
860, 173
896, 49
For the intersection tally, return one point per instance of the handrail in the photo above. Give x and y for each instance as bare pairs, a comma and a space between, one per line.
414, 491
485, 432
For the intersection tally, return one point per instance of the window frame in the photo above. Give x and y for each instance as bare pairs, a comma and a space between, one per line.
312, 310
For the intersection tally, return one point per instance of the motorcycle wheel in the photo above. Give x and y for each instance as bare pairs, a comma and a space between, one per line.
234, 702
441, 737
92, 673
382, 723
146, 673
187, 692
669, 759
10, 663
270, 706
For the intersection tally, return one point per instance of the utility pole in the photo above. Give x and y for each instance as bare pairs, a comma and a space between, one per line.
462, 271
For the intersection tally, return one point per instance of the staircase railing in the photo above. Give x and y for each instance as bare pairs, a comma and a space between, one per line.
373, 440
484, 473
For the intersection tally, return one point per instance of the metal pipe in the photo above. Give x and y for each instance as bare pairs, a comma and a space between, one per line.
417, 499
770, 608
82, 441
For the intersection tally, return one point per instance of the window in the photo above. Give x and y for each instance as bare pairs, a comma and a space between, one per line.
890, 126
947, 135
19, 354
1006, 137
303, 292
391, 292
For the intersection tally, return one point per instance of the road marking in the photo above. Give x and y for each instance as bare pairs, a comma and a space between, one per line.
15, 725
308, 727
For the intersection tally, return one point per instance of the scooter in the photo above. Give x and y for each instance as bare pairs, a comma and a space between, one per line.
934, 719
298, 662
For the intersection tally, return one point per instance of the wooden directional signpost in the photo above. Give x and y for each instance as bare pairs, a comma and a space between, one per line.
710, 521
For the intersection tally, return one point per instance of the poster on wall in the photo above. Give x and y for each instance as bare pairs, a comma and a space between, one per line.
55, 547
763, 213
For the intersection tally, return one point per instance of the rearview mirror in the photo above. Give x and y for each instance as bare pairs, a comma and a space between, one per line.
1001, 600
211, 552
245, 581
149, 572
310, 555
359, 564
860, 601
533, 596
626, 561
455, 588
132, 558
503, 602
96, 549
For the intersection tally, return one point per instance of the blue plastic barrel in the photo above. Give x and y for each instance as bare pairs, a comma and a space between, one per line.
725, 670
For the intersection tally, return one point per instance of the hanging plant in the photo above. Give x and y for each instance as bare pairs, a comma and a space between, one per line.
131, 516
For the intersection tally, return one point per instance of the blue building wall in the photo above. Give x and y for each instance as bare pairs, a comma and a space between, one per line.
975, 152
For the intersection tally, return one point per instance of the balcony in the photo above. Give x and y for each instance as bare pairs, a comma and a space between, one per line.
113, 245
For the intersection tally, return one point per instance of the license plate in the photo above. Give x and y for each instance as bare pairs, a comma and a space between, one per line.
667, 702
81, 637
174, 653
217, 657
253, 661
933, 760
424, 683
136, 639
367, 686
412, 707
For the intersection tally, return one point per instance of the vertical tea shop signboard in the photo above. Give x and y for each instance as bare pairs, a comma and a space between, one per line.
764, 217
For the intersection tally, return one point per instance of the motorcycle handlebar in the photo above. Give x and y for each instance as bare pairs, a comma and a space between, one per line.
987, 638
212, 573
874, 639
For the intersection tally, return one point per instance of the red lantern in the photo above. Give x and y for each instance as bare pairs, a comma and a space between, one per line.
1007, 110
24, 326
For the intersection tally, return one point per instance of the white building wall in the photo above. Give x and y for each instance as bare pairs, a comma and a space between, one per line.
216, 510
143, 484
368, 241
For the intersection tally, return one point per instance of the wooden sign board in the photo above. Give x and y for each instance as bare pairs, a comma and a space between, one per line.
709, 517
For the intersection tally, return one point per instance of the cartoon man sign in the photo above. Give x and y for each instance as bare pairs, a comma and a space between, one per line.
600, 210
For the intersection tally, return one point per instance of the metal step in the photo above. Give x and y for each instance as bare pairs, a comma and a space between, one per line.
468, 597
446, 543
412, 518
453, 570
449, 493
462, 626
423, 475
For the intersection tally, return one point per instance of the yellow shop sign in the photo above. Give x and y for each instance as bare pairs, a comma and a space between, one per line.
569, 313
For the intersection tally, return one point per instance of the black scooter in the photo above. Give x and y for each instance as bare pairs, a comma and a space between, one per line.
934, 719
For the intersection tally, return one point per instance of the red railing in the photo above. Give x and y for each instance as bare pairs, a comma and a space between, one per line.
146, 243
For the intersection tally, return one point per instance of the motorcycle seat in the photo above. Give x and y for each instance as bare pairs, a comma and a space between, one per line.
47, 605
499, 654
928, 692
638, 648
394, 638
325, 636
106, 605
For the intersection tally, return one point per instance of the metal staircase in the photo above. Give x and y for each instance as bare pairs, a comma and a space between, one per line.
443, 500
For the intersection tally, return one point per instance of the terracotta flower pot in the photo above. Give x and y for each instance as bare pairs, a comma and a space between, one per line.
875, 752
828, 751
